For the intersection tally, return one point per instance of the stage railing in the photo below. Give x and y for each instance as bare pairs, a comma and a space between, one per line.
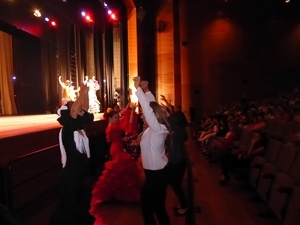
30, 176
33, 175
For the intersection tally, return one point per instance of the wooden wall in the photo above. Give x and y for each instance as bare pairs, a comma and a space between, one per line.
236, 52
227, 49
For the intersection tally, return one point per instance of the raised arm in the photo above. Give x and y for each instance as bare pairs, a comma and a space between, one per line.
147, 110
167, 103
148, 93
82, 102
133, 107
61, 83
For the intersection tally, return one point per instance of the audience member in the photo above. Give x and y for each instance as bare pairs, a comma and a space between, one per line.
242, 159
220, 146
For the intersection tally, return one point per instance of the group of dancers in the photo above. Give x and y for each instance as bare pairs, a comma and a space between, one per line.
71, 94
126, 177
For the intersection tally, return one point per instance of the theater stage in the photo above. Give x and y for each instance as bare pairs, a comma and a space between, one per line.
19, 125
30, 156
22, 135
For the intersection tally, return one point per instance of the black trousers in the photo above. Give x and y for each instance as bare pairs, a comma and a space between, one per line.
176, 174
74, 194
153, 197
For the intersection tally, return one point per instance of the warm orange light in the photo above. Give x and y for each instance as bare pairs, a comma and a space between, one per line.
88, 19
113, 16
37, 13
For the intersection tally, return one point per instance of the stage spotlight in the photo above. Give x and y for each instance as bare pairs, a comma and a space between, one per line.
114, 17
86, 17
47, 19
37, 13
53, 23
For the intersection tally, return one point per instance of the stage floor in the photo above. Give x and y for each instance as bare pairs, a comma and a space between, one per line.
18, 125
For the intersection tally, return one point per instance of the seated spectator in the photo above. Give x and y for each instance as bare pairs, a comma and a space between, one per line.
282, 113
222, 145
242, 159
259, 123
206, 136
207, 127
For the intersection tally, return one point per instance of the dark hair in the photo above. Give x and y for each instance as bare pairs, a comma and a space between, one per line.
111, 114
69, 104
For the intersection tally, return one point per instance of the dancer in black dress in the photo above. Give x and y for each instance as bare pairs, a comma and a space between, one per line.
73, 201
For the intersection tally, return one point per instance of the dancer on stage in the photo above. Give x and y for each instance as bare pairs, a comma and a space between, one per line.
69, 93
94, 104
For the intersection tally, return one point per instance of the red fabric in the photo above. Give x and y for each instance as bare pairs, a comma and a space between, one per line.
121, 178
257, 126
129, 127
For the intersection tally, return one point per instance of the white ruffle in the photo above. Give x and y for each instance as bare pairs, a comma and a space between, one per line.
82, 145
64, 107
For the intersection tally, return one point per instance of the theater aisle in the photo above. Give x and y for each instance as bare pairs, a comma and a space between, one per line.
222, 205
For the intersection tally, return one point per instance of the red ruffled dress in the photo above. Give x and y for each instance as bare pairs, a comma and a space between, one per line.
122, 177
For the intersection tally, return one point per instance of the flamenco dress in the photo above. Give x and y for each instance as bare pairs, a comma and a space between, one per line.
121, 178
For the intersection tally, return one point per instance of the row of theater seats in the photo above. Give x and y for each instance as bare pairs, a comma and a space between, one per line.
275, 176
281, 130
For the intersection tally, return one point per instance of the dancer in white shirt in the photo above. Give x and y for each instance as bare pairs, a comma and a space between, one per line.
154, 160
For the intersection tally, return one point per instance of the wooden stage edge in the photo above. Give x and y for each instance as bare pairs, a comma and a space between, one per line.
19, 125
22, 135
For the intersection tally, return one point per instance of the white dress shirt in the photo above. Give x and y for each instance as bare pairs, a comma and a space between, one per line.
153, 139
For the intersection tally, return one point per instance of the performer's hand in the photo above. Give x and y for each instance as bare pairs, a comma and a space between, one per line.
137, 81
144, 85
163, 98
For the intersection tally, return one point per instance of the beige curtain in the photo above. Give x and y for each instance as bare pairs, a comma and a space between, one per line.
7, 102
